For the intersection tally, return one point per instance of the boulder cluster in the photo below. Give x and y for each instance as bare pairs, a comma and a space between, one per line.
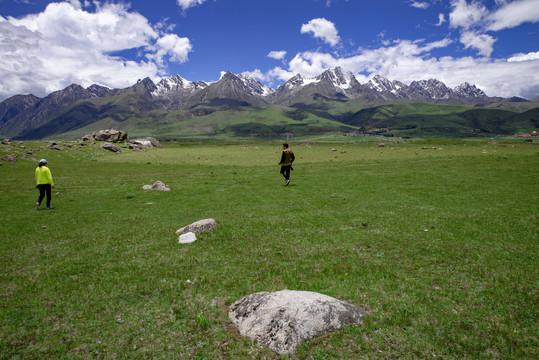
108, 138
19, 150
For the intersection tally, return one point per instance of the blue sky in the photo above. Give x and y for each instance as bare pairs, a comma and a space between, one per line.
47, 45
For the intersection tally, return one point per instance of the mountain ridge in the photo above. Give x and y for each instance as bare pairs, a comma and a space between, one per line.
20, 115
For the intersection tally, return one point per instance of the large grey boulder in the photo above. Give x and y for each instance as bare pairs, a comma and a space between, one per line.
198, 227
110, 135
87, 138
155, 142
141, 143
56, 147
110, 147
284, 319
136, 147
146, 143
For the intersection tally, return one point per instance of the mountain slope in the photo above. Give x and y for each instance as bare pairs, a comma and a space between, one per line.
429, 120
11, 108
43, 109
85, 112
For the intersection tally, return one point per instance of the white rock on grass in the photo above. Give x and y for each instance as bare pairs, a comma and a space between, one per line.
198, 227
187, 238
284, 319
158, 185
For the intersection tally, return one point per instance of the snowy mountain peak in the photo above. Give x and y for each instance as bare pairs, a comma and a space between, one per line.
177, 83
250, 84
228, 75
336, 77
381, 84
296, 81
467, 90
431, 88
255, 86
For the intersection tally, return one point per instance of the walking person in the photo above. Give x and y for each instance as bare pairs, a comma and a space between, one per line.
44, 183
287, 159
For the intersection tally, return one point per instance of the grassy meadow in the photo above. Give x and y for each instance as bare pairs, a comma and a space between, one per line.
437, 238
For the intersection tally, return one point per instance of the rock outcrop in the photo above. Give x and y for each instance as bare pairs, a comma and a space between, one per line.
110, 136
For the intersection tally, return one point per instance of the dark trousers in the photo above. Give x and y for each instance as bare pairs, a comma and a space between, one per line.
285, 171
44, 189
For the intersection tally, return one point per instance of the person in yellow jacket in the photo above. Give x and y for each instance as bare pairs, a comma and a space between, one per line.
44, 183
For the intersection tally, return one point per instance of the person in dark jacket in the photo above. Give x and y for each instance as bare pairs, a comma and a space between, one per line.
287, 158
44, 183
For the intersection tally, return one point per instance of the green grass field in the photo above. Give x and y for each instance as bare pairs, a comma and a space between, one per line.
438, 238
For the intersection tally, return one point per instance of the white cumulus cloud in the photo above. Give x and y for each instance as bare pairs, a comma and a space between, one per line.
177, 48
277, 55
323, 29
466, 15
514, 14
419, 5
65, 44
482, 42
524, 57
475, 20
185, 4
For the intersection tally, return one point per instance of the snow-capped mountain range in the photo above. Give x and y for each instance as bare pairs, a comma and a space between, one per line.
178, 92
23, 112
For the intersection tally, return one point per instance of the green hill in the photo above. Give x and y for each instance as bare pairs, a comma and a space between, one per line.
224, 119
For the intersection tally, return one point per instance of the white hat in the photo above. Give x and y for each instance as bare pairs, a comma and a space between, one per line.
42, 161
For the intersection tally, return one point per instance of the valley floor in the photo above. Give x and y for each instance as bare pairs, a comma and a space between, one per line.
438, 238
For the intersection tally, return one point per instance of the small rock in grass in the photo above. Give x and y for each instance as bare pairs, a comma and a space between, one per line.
158, 185
198, 227
187, 238
10, 158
